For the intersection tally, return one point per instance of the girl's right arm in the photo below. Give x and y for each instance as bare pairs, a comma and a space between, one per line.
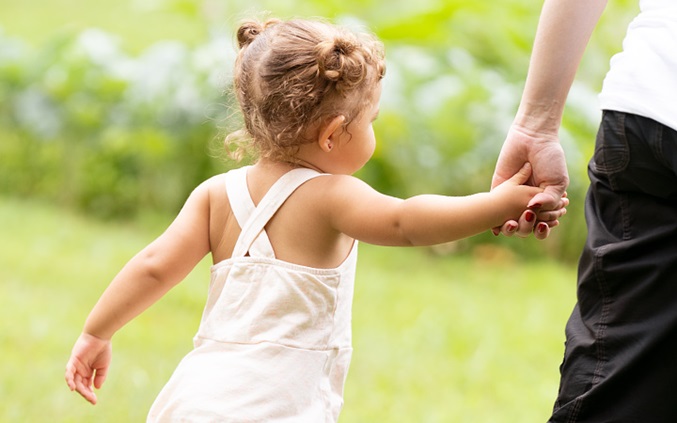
143, 280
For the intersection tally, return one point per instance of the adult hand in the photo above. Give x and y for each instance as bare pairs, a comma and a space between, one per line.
549, 172
538, 221
88, 365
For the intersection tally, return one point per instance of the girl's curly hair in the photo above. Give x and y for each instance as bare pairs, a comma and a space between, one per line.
292, 75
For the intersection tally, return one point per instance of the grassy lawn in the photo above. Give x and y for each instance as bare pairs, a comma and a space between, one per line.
472, 338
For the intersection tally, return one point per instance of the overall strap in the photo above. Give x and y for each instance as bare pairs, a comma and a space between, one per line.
271, 202
243, 207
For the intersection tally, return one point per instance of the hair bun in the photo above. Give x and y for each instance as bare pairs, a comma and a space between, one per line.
247, 32
336, 63
343, 46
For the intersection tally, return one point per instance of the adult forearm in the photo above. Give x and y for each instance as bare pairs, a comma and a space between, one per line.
564, 29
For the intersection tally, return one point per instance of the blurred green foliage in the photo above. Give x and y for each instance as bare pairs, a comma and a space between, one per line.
91, 127
115, 120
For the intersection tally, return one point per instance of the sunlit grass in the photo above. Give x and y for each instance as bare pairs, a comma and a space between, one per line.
437, 339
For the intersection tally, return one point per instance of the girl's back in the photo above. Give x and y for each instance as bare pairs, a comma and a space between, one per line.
299, 232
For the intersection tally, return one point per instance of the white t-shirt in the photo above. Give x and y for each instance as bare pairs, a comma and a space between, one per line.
643, 78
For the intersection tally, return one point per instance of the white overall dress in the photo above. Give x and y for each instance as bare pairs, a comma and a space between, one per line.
274, 343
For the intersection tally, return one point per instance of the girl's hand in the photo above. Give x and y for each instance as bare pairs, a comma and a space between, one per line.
88, 365
515, 190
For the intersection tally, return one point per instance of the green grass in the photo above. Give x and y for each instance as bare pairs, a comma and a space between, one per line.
472, 338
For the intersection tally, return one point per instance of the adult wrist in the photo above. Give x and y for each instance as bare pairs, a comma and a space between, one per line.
539, 120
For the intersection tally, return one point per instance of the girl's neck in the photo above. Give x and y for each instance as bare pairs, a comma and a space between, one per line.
308, 165
283, 167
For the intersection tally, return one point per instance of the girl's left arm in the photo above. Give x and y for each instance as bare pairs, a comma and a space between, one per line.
156, 269
145, 279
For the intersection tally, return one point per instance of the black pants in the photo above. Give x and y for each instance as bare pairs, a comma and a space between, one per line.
620, 360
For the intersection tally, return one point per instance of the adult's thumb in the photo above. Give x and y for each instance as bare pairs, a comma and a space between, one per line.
548, 199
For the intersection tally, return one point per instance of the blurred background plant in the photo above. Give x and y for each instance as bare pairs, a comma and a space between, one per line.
116, 108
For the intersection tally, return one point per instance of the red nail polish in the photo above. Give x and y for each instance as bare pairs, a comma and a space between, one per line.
542, 227
530, 216
536, 206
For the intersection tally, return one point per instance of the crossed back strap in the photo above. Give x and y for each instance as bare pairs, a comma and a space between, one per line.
252, 219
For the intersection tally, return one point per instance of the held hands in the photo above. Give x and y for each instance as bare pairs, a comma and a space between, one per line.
88, 365
546, 156
517, 194
536, 220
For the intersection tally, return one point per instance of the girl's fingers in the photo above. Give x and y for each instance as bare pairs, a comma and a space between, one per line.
100, 377
523, 175
84, 388
79, 383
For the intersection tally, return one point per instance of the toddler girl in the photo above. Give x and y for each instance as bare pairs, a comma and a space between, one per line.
274, 343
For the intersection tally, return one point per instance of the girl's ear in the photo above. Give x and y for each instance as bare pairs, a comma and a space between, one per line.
329, 133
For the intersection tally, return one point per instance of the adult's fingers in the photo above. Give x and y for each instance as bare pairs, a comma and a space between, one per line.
542, 230
550, 215
525, 224
521, 228
549, 199
508, 228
